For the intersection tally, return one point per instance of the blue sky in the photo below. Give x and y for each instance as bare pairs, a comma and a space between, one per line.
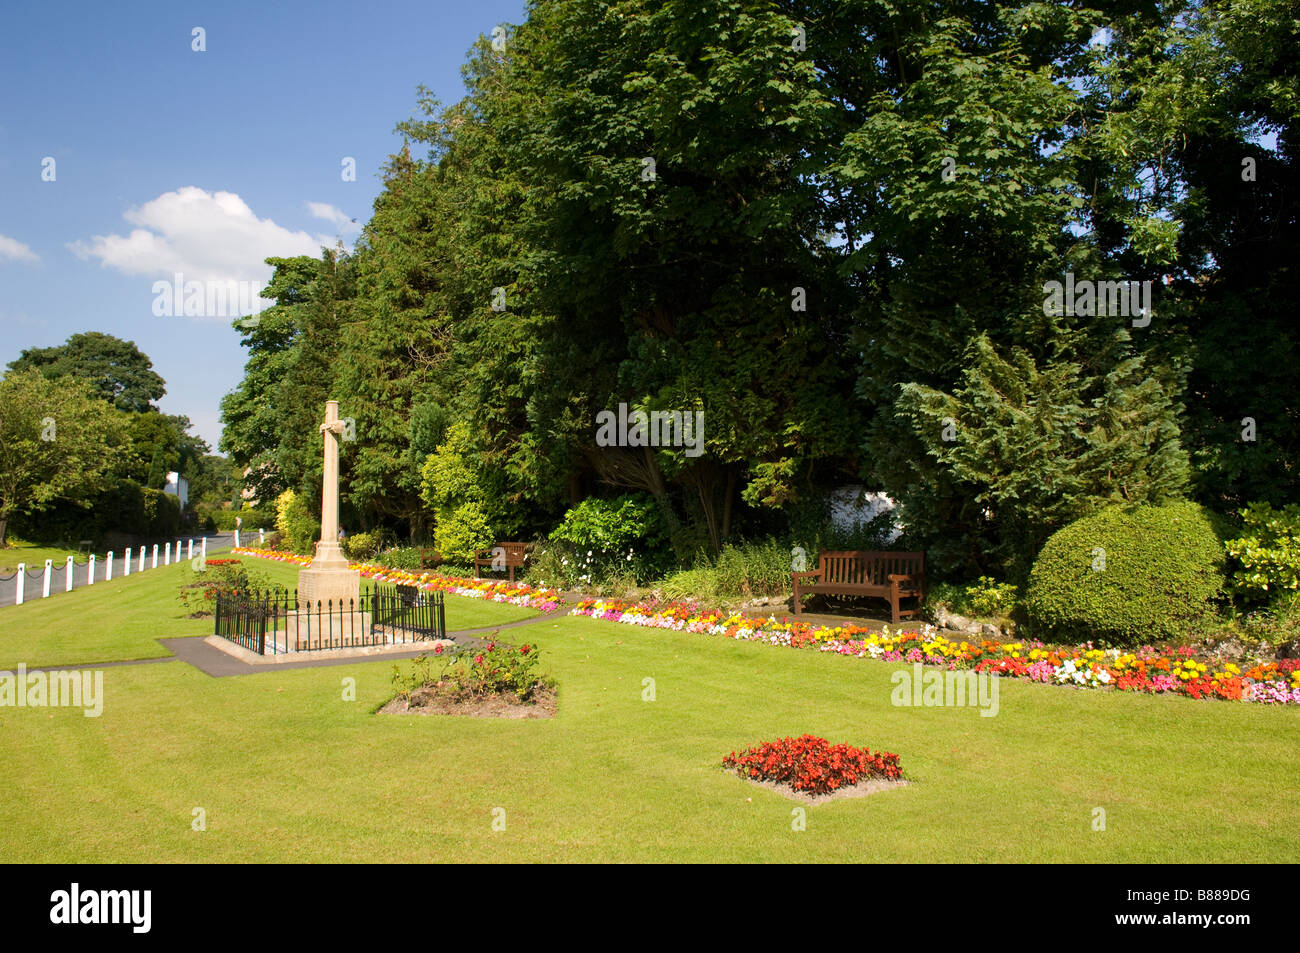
167, 159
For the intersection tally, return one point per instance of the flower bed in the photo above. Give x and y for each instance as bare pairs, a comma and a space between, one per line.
517, 594
813, 765
497, 680
1163, 670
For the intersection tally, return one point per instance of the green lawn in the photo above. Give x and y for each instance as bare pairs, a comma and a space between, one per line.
123, 619
34, 556
286, 770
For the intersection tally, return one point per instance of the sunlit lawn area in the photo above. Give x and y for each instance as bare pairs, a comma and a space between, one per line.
33, 556
285, 769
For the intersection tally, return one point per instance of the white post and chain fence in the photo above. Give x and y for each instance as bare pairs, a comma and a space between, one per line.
104, 565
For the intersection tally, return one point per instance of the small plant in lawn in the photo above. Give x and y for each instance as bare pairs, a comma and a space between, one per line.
813, 765
495, 669
225, 576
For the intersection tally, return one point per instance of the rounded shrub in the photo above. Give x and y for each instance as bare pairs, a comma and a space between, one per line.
462, 531
1126, 576
295, 522
362, 546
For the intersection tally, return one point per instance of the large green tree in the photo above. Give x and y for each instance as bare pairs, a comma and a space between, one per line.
57, 439
120, 371
271, 420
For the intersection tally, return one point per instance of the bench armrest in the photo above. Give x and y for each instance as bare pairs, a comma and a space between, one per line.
809, 574
905, 577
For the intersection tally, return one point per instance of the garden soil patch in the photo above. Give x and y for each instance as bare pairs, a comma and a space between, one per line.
541, 705
861, 789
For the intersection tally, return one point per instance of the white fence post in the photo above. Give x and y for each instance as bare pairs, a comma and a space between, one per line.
236, 539
90, 571
126, 563
141, 566
189, 548
45, 590
205, 548
108, 567
22, 578
167, 554
67, 577
261, 537
154, 564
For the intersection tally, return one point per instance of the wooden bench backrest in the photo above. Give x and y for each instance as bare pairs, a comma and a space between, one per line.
868, 567
514, 552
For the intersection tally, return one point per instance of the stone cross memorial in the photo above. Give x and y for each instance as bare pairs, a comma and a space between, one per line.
328, 578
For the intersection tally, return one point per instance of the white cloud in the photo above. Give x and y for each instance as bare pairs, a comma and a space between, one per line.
207, 236
14, 250
333, 215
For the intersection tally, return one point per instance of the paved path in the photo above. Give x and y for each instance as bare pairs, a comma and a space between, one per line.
35, 581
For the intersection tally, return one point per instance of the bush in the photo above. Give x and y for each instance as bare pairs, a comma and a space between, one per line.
1126, 576
494, 669
621, 537
161, 514
739, 570
225, 576
458, 570
1266, 556
361, 546
984, 599
295, 522
461, 532
262, 517
406, 558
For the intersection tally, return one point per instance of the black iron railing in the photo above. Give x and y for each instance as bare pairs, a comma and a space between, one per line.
274, 622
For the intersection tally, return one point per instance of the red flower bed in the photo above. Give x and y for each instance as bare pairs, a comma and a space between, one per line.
813, 765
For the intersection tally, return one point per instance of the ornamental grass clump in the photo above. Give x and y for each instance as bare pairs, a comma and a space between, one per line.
813, 765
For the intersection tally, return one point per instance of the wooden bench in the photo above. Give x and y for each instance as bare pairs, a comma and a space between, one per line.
885, 575
508, 556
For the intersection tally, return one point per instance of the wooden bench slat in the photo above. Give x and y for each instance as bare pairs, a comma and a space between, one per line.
515, 556
866, 573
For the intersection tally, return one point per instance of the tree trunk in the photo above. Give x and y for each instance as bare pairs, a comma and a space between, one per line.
728, 494
703, 478
658, 490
